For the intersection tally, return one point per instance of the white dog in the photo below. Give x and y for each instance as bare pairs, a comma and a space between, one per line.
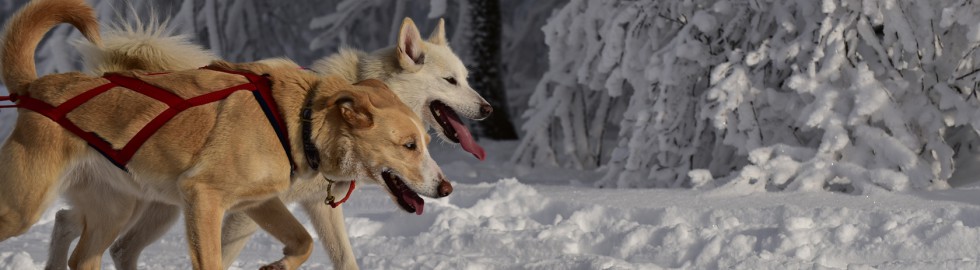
425, 74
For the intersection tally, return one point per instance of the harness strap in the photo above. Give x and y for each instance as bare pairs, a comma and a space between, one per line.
175, 103
11, 98
260, 86
57, 114
306, 130
263, 95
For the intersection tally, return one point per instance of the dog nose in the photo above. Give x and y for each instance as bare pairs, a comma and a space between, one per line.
485, 110
445, 188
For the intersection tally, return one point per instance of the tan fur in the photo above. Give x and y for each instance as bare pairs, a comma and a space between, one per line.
146, 48
29, 26
209, 159
188, 156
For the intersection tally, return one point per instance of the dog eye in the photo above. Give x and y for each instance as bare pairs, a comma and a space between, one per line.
410, 145
450, 80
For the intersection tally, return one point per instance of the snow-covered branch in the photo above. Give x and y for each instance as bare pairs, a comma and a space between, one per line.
785, 95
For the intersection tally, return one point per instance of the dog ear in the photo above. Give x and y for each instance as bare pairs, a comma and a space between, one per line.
410, 55
438, 35
353, 109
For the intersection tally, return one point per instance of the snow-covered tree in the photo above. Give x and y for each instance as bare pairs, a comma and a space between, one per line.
363, 24
784, 95
307, 30
235, 30
524, 53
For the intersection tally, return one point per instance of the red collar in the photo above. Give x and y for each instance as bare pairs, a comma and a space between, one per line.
330, 198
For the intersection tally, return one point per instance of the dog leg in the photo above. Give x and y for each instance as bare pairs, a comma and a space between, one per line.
154, 222
67, 228
202, 218
237, 229
69, 223
275, 219
103, 222
33, 161
330, 227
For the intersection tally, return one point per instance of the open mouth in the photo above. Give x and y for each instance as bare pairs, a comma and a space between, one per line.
454, 129
407, 199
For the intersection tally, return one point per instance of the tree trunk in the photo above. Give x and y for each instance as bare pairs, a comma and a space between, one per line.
485, 69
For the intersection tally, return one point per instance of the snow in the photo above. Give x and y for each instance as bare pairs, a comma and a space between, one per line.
868, 87
832, 134
554, 219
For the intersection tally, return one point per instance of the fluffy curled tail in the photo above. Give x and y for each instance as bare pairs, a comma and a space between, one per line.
25, 29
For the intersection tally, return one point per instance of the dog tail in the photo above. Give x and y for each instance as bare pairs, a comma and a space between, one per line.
145, 43
25, 29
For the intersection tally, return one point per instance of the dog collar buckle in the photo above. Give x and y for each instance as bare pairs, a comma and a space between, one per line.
331, 200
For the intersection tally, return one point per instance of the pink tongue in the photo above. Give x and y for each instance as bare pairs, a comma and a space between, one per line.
466, 139
415, 201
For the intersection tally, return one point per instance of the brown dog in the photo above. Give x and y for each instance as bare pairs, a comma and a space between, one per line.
210, 159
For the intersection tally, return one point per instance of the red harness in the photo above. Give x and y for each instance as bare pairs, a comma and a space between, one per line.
258, 85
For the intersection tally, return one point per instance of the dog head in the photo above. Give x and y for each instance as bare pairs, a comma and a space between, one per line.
385, 140
432, 80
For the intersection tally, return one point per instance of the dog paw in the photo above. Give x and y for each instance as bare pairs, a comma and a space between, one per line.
274, 266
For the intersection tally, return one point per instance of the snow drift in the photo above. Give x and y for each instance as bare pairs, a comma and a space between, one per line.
507, 224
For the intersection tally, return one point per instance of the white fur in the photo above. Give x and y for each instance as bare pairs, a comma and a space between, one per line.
416, 87
151, 41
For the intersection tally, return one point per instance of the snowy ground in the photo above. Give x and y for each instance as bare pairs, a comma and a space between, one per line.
502, 217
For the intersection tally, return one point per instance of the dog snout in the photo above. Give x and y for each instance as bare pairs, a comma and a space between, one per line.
485, 110
445, 188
